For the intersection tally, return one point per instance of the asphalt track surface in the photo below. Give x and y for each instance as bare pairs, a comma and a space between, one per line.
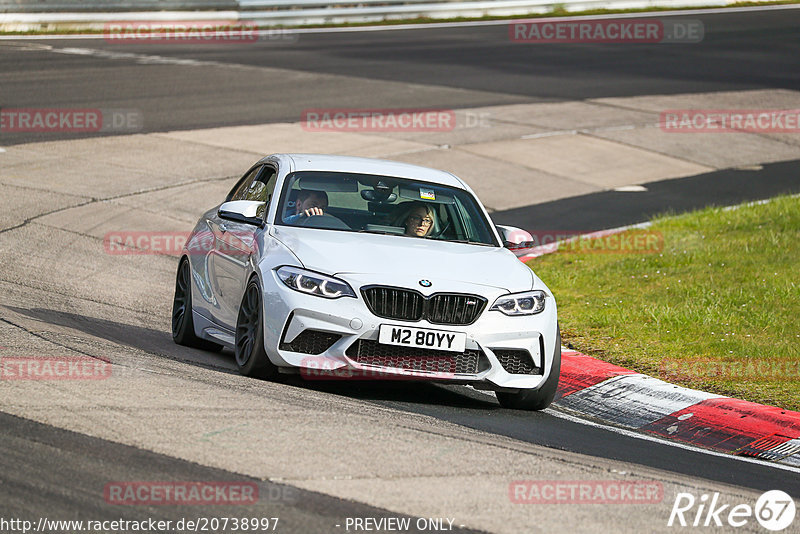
613, 209
471, 66
451, 68
476, 410
31, 488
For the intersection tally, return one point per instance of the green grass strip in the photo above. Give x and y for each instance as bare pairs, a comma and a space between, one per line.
715, 306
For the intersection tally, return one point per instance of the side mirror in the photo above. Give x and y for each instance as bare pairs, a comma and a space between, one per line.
514, 237
243, 211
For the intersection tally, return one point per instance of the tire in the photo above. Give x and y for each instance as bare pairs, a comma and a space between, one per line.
536, 399
251, 358
182, 322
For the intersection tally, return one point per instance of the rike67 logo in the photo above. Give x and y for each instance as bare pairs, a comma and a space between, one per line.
774, 510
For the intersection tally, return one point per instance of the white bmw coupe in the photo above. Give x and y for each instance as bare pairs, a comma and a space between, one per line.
337, 267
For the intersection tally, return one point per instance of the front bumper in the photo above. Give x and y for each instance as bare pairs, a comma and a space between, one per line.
339, 339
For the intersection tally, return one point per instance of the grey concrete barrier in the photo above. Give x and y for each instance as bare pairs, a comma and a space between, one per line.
27, 15
109, 6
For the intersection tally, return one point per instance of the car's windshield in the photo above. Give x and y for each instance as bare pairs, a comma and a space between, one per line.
382, 205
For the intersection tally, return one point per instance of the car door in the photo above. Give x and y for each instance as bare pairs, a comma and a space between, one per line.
234, 244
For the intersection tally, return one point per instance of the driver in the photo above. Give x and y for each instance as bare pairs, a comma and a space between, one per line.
309, 202
418, 219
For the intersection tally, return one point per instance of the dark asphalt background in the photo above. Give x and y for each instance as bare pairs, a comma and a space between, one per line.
48, 472
460, 67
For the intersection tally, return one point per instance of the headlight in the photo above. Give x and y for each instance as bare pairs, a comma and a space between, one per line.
528, 303
314, 283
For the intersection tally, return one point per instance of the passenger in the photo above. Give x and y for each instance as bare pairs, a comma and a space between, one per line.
309, 202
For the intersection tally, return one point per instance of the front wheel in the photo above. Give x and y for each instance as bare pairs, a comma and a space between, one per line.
536, 399
251, 358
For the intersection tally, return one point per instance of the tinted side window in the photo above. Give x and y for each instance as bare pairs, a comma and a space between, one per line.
240, 189
262, 189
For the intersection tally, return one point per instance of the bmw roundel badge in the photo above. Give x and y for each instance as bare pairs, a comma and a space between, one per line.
425, 283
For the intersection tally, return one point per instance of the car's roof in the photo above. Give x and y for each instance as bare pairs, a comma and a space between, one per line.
324, 162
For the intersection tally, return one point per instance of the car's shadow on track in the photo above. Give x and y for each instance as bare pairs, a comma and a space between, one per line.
406, 394
149, 340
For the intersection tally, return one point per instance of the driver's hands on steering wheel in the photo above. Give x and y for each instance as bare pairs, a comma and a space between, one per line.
313, 211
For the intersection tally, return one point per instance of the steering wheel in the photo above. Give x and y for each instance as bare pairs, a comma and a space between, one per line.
322, 221
443, 230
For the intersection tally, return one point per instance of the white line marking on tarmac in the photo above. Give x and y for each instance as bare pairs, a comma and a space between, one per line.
646, 437
631, 189
589, 131
438, 25
549, 134
144, 59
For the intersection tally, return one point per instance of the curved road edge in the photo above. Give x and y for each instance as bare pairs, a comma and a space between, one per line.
620, 397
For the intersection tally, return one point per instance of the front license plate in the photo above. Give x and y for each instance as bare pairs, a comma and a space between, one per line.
422, 337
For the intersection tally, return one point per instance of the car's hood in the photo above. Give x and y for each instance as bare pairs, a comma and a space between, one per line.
402, 258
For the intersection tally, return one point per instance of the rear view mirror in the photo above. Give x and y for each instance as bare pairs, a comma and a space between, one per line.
243, 211
374, 195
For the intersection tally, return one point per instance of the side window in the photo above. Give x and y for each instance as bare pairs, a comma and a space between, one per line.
474, 228
262, 189
291, 199
240, 190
